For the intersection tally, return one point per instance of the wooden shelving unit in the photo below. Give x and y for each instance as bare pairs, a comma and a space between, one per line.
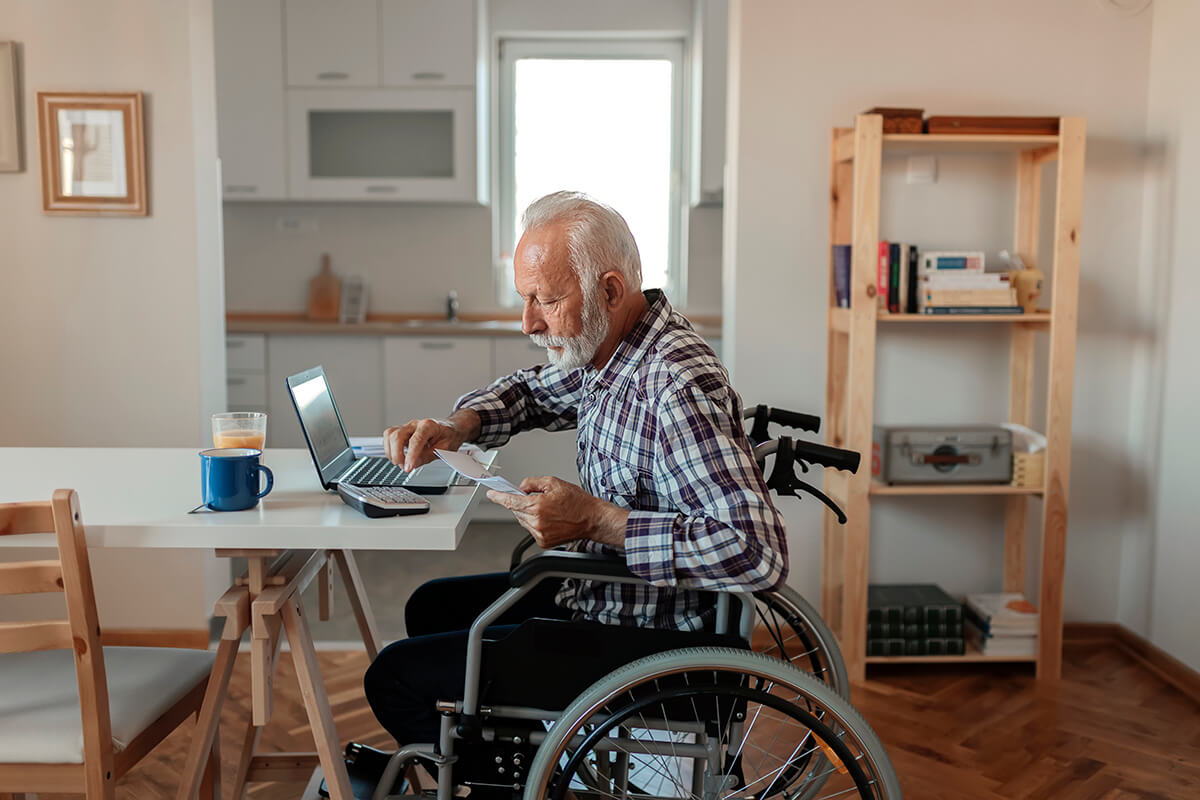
856, 156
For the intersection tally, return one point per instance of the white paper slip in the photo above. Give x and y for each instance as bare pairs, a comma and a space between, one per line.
465, 464
367, 445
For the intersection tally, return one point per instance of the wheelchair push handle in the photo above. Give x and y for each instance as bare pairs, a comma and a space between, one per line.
826, 456
763, 415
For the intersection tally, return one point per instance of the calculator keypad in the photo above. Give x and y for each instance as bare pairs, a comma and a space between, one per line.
389, 494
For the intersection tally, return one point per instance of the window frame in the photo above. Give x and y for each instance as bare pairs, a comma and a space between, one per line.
504, 215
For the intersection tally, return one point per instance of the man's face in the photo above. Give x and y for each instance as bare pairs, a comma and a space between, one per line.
558, 314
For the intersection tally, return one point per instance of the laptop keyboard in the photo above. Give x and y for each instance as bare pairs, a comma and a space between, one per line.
375, 471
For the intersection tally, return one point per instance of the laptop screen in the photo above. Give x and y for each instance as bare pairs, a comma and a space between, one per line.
321, 423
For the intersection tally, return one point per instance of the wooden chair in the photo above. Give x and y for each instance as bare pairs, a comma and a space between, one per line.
75, 716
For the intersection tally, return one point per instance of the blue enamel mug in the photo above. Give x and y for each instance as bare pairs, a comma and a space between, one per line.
229, 478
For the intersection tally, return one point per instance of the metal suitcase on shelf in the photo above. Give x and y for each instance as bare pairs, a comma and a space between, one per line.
942, 454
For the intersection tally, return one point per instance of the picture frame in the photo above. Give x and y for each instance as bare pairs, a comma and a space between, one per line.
10, 117
93, 151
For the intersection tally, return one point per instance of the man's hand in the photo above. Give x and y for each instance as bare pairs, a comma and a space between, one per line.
412, 444
556, 511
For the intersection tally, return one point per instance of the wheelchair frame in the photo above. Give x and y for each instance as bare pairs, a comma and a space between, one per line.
463, 719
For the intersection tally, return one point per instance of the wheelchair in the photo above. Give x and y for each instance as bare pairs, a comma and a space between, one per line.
756, 708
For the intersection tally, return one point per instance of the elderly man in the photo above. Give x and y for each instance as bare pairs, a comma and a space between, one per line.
669, 480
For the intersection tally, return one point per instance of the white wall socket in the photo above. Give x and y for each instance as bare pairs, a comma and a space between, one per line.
296, 226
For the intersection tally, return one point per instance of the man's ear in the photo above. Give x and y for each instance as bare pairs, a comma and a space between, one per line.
613, 285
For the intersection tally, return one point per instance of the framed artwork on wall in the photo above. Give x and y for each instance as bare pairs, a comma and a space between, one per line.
93, 151
10, 125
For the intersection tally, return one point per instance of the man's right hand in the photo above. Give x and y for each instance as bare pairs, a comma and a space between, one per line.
412, 444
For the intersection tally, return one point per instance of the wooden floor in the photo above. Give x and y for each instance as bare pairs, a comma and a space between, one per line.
1110, 730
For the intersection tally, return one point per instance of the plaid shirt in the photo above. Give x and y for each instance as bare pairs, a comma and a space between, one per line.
660, 433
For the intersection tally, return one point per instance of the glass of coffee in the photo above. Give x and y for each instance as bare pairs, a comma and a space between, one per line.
240, 429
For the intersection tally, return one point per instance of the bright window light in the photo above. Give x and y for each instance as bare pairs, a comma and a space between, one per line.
601, 119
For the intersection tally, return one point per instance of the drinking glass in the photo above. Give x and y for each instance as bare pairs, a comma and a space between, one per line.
240, 429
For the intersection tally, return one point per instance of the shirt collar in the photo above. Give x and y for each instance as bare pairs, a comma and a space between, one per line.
633, 348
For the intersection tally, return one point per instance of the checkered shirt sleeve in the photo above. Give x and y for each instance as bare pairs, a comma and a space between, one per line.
542, 396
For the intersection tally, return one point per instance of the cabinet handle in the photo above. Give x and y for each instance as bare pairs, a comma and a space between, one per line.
241, 189
235, 381
380, 189
437, 345
332, 76
230, 344
429, 76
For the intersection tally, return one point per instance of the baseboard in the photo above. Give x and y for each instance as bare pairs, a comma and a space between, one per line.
1154, 658
187, 638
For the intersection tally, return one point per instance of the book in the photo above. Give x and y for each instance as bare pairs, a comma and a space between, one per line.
913, 274
914, 630
1002, 645
894, 278
910, 604
882, 277
841, 275
952, 279
1003, 613
968, 260
902, 283
968, 297
973, 310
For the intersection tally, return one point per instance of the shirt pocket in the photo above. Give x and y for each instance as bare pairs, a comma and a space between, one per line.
618, 482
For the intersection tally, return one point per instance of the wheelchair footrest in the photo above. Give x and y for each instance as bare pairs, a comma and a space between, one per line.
365, 766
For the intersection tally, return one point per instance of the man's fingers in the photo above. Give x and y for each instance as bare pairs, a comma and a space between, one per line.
394, 439
513, 502
538, 483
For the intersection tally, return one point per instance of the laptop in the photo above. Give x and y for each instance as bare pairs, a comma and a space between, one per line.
329, 445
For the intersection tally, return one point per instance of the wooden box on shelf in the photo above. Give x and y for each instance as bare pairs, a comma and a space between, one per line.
1029, 470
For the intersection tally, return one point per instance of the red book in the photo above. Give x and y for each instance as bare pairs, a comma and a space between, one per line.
882, 278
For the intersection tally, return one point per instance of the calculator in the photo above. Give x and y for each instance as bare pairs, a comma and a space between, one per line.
382, 501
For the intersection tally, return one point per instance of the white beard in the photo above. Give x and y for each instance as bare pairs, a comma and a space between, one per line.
578, 350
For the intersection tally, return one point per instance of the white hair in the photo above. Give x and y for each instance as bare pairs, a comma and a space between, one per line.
598, 238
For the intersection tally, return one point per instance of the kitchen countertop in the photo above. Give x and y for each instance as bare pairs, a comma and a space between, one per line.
400, 325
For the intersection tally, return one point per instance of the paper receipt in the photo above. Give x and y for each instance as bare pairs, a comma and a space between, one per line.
465, 464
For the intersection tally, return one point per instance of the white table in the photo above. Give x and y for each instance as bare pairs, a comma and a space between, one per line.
140, 498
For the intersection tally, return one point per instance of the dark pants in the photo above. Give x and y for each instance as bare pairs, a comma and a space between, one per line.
408, 676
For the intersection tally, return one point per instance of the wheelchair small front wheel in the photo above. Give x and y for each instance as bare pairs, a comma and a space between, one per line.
710, 724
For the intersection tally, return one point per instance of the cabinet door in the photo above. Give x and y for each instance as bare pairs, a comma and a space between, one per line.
382, 144
428, 42
352, 366
248, 49
423, 376
332, 42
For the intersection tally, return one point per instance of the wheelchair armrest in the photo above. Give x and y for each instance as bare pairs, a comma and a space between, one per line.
563, 563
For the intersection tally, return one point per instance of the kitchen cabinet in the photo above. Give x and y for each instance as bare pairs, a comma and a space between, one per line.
246, 372
248, 51
382, 144
428, 42
423, 376
332, 42
353, 366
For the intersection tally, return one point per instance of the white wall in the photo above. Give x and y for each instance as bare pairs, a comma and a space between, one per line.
799, 68
1173, 203
112, 326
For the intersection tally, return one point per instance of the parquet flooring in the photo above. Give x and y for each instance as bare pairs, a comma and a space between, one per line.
1111, 730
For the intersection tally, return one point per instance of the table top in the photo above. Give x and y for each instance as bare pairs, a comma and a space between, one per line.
140, 497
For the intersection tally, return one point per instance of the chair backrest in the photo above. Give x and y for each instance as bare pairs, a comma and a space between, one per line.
80, 632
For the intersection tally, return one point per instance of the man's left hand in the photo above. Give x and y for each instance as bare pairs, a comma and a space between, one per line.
555, 512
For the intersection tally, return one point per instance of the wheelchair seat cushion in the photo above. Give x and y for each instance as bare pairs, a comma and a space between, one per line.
546, 663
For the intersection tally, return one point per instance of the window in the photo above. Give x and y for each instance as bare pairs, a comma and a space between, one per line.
601, 117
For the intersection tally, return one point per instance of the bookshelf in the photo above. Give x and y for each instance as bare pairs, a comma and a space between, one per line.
856, 156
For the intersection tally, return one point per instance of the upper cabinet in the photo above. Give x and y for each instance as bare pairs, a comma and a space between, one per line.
250, 117
428, 42
332, 42
349, 99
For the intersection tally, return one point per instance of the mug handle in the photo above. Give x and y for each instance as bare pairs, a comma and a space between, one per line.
270, 481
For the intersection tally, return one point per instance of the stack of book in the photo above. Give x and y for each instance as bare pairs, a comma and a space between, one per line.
954, 282
913, 619
1004, 624
896, 279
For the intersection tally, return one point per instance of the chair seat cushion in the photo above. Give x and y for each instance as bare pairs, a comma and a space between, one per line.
39, 698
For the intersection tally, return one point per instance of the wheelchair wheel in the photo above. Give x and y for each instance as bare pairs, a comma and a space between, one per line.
710, 724
795, 632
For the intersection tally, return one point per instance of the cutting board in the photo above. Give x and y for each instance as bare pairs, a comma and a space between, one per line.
324, 293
